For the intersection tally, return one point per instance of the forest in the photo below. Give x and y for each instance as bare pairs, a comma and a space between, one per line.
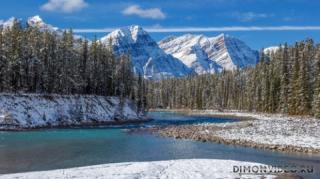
41, 61
37, 61
286, 81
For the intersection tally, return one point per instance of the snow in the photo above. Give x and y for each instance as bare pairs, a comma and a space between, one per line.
177, 57
147, 58
36, 21
178, 169
210, 54
271, 49
36, 110
190, 49
8, 23
271, 129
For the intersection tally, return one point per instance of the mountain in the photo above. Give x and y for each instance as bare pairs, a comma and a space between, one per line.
147, 58
192, 51
8, 23
210, 54
173, 56
271, 49
36, 21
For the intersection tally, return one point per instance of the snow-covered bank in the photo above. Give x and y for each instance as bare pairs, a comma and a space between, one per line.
19, 111
178, 169
269, 131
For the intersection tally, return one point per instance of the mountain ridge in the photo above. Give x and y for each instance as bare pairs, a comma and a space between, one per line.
147, 57
198, 51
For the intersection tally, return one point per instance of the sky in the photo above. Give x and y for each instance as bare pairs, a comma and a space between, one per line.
259, 23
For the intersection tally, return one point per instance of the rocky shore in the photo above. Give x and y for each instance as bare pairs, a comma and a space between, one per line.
272, 132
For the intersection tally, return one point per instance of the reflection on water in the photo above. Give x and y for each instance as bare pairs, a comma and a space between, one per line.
65, 148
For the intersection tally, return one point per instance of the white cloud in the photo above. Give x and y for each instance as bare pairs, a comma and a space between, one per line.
152, 13
210, 29
250, 16
66, 6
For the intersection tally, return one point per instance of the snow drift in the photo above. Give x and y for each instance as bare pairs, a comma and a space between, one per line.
36, 110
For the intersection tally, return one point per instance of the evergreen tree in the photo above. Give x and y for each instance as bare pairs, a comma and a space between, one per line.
284, 78
316, 101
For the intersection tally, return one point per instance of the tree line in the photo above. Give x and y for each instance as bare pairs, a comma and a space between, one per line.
34, 60
285, 81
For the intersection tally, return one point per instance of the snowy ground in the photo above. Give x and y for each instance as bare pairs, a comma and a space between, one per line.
38, 110
269, 129
178, 169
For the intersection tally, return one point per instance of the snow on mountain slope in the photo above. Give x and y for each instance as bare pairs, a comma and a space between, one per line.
147, 58
36, 21
8, 23
209, 55
271, 49
192, 51
176, 56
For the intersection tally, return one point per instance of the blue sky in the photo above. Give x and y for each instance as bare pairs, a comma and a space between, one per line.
180, 16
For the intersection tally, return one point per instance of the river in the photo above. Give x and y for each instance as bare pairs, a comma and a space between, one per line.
64, 148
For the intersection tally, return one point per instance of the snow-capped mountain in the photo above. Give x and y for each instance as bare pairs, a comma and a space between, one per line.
34, 21
271, 49
210, 54
147, 57
173, 56
8, 23
192, 51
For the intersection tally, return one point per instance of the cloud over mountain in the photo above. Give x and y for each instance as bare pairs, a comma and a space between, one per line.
66, 6
152, 13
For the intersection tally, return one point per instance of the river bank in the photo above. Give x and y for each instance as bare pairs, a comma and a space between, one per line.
34, 111
265, 131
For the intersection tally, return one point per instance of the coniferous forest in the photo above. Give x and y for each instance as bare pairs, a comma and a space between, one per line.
35, 61
287, 81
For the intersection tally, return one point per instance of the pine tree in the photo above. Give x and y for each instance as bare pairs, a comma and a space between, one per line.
3, 64
284, 79
303, 86
316, 98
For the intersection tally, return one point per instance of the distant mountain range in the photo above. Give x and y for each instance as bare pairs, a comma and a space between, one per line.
173, 56
210, 54
147, 57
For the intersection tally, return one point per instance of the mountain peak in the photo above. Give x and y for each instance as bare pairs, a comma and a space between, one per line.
135, 28
136, 31
271, 49
208, 55
147, 58
8, 23
35, 19
129, 34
